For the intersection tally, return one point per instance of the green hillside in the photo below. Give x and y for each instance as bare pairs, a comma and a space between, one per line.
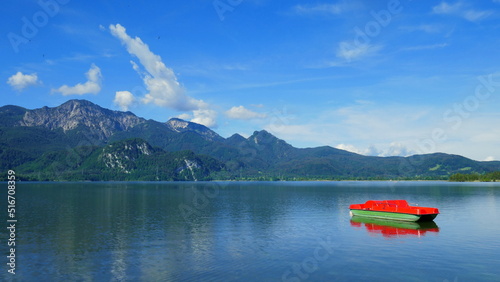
79, 140
132, 159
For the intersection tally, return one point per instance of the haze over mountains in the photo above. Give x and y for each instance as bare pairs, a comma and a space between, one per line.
79, 140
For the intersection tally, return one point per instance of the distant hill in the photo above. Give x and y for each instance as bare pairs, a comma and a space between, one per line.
131, 159
79, 140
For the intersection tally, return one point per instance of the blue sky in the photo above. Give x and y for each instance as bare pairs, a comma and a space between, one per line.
374, 77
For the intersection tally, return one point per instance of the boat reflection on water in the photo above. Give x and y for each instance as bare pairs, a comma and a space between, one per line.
393, 228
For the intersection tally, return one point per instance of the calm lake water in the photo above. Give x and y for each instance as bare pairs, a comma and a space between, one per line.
262, 231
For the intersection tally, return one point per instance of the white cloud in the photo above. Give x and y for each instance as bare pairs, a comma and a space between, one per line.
369, 151
473, 16
429, 28
489, 159
339, 8
397, 149
92, 86
425, 47
124, 99
352, 50
206, 117
19, 81
350, 148
184, 116
383, 124
445, 8
397, 130
241, 112
461, 10
333, 9
392, 149
372, 128
161, 81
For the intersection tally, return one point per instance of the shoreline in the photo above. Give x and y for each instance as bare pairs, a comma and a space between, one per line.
251, 181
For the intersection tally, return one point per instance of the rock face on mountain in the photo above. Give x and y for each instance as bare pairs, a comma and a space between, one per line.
179, 125
122, 155
79, 140
81, 113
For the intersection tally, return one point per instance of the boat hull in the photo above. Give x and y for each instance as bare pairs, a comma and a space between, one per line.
393, 215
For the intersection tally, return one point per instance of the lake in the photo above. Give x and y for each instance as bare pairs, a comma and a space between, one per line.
250, 231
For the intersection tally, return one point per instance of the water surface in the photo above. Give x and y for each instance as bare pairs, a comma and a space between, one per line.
261, 231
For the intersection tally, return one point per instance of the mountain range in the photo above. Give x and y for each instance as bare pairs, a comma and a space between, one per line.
79, 140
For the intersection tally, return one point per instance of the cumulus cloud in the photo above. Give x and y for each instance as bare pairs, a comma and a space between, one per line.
184, 116
92, 86
241, 112
19, 81
161, 81
124, 99
206, 117
397, 149
350, 148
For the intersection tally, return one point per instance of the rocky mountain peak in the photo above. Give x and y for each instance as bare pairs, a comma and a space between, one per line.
271, 146
81, 113
180, 125
264, 137
75, 103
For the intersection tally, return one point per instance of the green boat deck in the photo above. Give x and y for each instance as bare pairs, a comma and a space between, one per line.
393, 215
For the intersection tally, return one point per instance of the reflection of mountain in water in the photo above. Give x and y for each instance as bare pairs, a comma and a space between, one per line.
394, 229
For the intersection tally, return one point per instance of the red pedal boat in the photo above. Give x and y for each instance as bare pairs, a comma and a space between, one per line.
393, 209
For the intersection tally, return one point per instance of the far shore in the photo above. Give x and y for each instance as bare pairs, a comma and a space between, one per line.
243, 181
